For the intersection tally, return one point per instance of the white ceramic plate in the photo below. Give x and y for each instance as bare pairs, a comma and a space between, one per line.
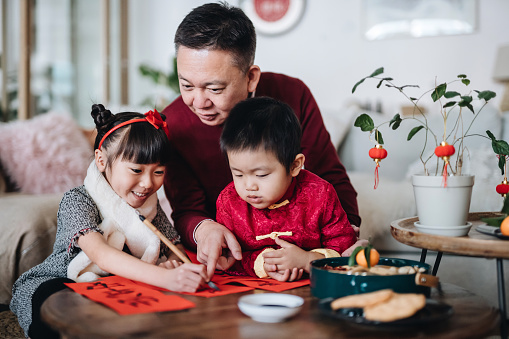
270, 307
448, 231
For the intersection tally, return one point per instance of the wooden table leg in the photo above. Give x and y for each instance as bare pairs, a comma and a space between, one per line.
501, 298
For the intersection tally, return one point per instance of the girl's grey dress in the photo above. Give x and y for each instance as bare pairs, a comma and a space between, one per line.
77, 215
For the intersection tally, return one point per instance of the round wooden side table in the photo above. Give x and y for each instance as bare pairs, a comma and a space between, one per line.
474, 244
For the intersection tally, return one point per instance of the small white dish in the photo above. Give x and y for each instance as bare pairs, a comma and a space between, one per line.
448, 231
270, 307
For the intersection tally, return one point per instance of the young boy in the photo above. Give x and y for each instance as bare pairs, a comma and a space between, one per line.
282, 215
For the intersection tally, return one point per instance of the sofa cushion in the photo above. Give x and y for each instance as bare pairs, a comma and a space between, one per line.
3, 185
28, 229
46, 154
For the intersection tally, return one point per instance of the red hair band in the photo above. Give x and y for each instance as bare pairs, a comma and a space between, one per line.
152, 117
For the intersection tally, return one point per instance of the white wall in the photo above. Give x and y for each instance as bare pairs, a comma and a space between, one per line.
327, 50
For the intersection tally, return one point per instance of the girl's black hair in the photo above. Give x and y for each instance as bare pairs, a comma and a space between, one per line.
139, 142
263, 122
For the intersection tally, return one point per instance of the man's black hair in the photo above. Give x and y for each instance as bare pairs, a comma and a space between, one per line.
219, 26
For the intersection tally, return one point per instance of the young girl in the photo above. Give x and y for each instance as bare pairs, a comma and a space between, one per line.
282, 215
99, 231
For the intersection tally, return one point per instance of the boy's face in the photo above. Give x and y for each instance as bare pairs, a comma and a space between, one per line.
259, 178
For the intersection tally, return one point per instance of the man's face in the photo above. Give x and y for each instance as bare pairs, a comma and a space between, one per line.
211, 84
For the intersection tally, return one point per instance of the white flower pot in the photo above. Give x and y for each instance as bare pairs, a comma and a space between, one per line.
443, 206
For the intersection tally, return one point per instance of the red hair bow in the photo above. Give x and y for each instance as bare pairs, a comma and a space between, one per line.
154, 118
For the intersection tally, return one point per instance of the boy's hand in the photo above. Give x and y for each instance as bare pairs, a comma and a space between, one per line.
286, 275
289, 256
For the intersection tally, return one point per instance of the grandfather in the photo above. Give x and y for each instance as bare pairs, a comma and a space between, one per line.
215, 47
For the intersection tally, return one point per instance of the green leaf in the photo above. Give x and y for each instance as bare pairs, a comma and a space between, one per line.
500, 147
486, 95
381, 81
466, 82
501, 165
365, 123
495, 221
351, 259
357, 84
466, 102
451, 94
367, 254
414, 131
462, 76
449, 104
395, 122
413, 99
378, 137
505, 208
378, 71
490, 135
439, 92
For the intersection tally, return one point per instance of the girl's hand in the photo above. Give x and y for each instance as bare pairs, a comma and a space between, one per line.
289, 256
172, 256
185, 277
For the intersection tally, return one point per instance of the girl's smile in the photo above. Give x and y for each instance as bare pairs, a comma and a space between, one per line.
133, 182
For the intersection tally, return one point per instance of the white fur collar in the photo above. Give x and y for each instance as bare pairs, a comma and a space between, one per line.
121, 225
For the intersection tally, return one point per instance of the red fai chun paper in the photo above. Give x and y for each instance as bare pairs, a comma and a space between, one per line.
126, 297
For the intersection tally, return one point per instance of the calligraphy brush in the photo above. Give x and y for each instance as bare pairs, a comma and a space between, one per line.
171, 246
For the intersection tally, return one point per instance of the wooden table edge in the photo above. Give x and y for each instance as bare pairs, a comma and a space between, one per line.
482, 245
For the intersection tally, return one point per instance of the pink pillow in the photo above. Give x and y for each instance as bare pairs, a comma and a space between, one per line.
46, 154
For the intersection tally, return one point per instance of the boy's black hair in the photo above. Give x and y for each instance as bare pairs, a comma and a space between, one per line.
139, 142
219, 26
263, 122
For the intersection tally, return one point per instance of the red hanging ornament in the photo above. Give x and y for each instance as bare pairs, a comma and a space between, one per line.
444, 151
503, 188
377, 153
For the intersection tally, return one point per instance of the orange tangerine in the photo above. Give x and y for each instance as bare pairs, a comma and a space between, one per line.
504, 226
374, 257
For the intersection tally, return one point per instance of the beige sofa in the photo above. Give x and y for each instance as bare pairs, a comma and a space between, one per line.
28, 228
28, 221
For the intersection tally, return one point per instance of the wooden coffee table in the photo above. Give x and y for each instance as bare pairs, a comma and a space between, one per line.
75, 316
474, 244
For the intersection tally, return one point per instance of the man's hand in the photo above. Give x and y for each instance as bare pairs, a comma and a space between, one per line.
217, 247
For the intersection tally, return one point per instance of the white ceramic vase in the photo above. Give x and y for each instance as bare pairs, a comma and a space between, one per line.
443, 206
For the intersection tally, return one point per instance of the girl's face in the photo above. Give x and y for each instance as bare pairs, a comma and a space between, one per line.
132, 182
259, 178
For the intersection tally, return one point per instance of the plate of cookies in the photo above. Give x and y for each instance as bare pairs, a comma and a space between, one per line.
386, 308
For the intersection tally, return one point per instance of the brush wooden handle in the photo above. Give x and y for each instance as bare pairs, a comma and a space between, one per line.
167, 242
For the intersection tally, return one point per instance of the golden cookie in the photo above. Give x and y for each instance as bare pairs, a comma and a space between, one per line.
362, 300
399, 306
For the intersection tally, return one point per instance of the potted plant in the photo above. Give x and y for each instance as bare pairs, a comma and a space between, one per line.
443, 188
